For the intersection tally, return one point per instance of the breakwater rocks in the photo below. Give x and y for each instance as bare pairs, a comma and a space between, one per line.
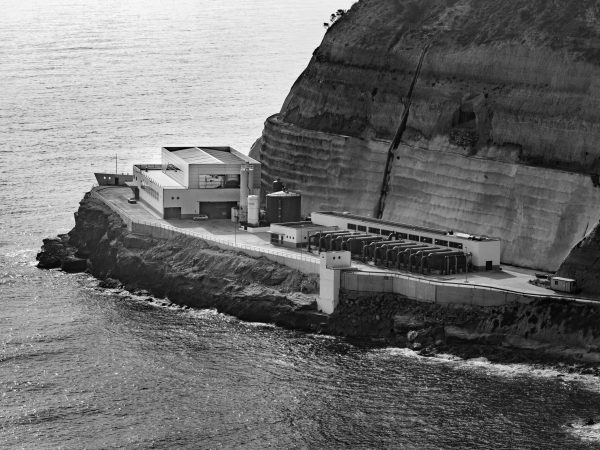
186, 270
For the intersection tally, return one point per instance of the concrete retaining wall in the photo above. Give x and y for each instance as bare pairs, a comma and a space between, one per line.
302, 264
430, 291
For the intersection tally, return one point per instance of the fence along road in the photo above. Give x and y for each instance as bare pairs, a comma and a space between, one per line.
304, 262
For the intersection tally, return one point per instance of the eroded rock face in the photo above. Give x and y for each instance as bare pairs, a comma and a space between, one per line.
583, 263
187, 271
502, 135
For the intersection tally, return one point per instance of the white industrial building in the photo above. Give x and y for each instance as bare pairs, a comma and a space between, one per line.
294, 234
484, 251
193, 181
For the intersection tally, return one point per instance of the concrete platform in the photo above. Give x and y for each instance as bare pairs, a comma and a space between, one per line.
509, 278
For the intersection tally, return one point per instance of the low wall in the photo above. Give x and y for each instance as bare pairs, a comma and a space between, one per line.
444, 293
304, 263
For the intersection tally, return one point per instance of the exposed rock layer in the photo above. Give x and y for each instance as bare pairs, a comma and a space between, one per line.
546, 326
503, 130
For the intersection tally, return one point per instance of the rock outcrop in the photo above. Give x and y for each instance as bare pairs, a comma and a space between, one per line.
503, 129
583, 263
544, 329
188, 271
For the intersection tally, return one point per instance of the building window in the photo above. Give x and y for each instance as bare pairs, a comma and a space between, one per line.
413, 237
403, 235
426, 239
441, 242
386, 232
351, 226
374, 230
455, 245
361, 228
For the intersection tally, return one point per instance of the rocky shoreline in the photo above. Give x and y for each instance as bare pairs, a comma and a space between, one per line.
189, 272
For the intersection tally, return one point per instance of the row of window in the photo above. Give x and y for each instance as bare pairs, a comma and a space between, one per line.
151, 192
410, 237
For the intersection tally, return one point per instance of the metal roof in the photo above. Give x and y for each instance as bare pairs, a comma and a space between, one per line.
209, 155
416, 228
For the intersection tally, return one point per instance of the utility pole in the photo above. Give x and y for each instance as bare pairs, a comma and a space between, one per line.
116, 163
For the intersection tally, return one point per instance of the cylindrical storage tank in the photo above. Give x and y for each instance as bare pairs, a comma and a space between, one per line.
253, 209
232, 181
277, 185
284, 207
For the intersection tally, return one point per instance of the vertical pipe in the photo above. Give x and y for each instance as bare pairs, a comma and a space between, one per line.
244, 169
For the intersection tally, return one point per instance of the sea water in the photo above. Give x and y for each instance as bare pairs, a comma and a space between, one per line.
81, 367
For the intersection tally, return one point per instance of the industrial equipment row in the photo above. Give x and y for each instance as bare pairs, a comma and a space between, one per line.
392, 252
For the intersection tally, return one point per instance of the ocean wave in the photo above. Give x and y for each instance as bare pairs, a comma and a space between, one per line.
30, 356
53, 413
482, 364
588, 433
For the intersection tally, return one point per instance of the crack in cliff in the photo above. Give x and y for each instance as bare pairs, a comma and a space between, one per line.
398, 137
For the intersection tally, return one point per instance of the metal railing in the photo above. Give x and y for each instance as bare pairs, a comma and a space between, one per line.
469, 285
307, 257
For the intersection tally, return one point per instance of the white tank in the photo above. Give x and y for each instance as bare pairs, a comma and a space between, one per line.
253, 209
234, 214
244, 192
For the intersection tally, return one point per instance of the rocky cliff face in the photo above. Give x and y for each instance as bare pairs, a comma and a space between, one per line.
502, 134
583, 263
185, 270
542, 330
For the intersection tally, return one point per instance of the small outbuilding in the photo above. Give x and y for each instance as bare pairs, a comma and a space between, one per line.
295, 234
561, 284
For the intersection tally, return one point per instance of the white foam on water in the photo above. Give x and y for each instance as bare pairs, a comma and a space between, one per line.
588, 433
482, 364
259, 325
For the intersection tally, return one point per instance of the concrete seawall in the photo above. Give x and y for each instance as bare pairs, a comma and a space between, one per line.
429, 291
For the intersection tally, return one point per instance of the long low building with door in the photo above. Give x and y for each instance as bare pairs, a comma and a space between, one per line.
484, 250
196, 181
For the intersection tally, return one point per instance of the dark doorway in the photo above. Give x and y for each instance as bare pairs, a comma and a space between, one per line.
488, 265
172, 213
216, 210
116, 181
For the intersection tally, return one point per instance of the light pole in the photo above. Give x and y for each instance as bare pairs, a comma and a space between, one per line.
466, 264
235, 226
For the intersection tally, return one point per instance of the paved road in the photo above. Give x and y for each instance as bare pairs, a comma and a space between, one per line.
511, 278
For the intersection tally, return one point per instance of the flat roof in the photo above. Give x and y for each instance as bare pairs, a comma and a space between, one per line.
210, 155
416, 228
304, 224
